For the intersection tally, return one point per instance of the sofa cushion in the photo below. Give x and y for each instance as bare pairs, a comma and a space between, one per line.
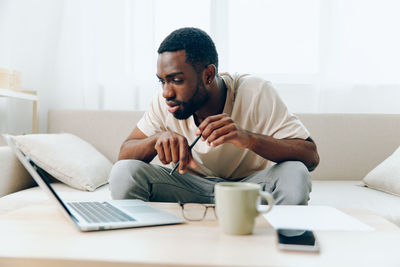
67, 158
386, 176
338, 194
354, 195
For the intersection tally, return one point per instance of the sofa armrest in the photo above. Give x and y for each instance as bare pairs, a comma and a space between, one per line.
13, 176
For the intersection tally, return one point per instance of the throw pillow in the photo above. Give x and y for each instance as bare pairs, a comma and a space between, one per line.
386, 176
67, 158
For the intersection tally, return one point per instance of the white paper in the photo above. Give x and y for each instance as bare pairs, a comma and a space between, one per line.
321, 218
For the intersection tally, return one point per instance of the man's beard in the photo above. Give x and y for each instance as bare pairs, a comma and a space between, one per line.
198, 99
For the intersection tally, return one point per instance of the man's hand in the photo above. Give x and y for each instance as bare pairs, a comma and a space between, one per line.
219, 129
173, 147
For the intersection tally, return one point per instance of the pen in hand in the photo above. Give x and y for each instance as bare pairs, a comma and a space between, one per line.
190, 148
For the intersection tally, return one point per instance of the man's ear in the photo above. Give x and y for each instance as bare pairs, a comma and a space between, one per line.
209, 74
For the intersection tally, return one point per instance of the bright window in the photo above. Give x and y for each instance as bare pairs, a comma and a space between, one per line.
274, 36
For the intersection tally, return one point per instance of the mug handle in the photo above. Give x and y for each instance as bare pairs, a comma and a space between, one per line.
270, 200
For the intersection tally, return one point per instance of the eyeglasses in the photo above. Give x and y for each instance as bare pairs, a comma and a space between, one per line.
196, 211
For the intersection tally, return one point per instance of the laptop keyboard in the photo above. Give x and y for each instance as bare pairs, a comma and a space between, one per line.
100, 212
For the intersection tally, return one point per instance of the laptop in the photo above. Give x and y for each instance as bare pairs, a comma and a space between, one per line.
97, 215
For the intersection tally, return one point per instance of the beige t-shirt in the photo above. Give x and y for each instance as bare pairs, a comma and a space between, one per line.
253, 104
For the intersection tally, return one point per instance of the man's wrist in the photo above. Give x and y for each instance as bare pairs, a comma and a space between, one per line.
252, 140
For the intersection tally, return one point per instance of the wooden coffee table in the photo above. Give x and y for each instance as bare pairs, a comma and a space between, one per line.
39, 235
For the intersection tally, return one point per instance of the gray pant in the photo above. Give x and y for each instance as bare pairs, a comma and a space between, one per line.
289, 182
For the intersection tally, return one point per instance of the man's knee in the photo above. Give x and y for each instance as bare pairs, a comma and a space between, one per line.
295, 183
127, 179
302, 181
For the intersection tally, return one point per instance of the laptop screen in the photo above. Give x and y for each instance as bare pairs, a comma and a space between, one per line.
38, 174
43, 174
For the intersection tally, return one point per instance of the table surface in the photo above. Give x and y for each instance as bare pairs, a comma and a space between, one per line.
39, 235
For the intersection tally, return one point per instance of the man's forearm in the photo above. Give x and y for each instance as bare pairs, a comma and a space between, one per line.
140, 149
279, 150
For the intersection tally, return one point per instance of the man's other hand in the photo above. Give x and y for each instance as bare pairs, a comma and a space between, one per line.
219, 129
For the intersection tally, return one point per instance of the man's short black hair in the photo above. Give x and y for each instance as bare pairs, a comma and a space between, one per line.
198, 45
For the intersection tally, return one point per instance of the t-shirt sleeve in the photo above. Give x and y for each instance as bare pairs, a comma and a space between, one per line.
152, 120
275, 118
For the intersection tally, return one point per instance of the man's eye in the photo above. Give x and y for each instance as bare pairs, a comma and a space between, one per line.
178, 81
161, 81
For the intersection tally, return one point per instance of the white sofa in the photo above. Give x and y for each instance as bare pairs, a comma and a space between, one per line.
350, 145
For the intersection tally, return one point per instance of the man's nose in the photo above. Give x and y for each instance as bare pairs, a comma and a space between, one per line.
168, 91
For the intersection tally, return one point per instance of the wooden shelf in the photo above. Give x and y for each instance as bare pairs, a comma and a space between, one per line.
25, 95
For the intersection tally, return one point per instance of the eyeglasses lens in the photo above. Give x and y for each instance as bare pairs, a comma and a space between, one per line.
194, 211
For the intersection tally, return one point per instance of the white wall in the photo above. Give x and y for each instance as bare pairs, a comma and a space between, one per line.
29, 40
322, 56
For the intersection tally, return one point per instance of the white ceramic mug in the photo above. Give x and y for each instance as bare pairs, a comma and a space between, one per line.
236, 206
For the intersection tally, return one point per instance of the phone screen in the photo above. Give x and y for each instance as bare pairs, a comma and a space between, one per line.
297, 239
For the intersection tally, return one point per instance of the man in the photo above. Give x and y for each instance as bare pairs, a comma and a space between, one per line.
242, 121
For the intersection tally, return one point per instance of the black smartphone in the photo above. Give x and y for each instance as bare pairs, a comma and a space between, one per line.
297, 239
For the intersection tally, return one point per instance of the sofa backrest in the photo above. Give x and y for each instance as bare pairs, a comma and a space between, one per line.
106, 130
349, 145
